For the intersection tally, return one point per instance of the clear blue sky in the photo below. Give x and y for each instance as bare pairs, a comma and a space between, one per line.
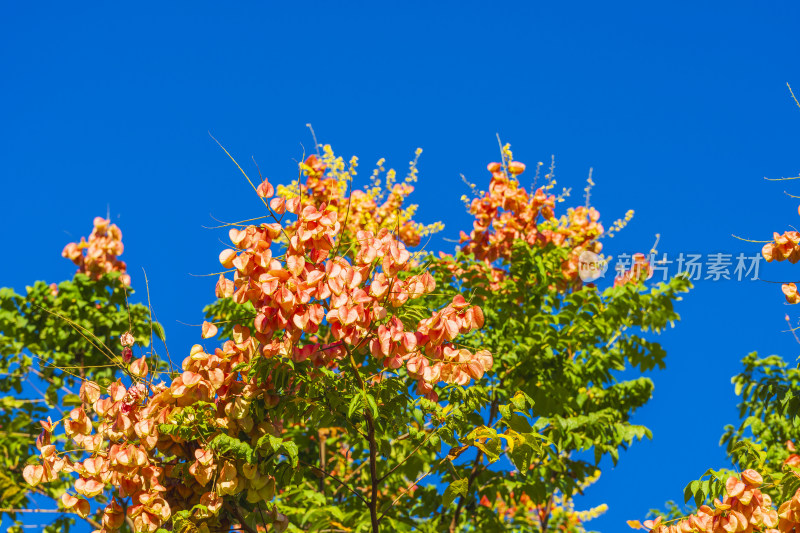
680, 108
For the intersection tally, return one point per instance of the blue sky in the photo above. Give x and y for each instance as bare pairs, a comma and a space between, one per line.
681, 108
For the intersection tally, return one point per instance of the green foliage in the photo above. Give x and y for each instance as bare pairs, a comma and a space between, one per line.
554, 385
50, 340
705, 490
769, 423
763, 440
768, 411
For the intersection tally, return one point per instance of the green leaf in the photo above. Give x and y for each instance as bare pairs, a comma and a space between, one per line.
455, 489
373, 407
71, 399
225, 444
274, 442
158, 329
355, 404
690, 490
291, 451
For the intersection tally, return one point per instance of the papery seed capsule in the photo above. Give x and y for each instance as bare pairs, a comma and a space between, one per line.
751, 477
516, 168
226, 258
126, 339
139, 368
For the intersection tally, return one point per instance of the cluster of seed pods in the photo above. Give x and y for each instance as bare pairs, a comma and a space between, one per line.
357, 297
125, 450
508, 212
784, 247
743, 509
119, 449
640, 270
98, 255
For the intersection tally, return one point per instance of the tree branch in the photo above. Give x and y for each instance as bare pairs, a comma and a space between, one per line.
476, 468
373, 450
235, 512
410, 455
336, 479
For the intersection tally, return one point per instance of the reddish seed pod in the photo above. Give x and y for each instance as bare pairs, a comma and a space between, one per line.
127, 354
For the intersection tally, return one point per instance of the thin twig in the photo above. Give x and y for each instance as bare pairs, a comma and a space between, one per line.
336, 479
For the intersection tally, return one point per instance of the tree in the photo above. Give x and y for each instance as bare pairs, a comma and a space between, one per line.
53, 338
350, 369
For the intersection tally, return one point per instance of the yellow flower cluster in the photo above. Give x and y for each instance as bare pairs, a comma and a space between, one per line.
379, 205
620, 224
